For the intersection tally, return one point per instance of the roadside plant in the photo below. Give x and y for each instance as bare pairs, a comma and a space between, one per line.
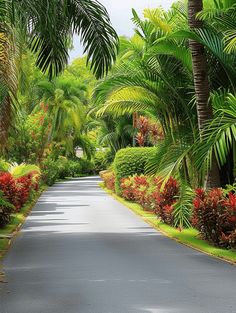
214, 216
6, 208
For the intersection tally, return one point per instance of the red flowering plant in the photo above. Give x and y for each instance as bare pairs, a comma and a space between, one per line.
214, 216
10, 189
26, 185
165, 199
17, 190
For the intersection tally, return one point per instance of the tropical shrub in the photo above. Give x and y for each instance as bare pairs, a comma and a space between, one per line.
147, 192
215, 216
26, 186
6, 208
23, 169
127, 188
68, 168
49, 170
102, 160
131, 161
18, 190
4, 166
87, 167
74, 168
63, 165
135, 188
10, 189
109, 179
165, 199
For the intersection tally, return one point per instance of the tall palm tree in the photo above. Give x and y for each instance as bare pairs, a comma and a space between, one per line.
48, 26
201, 83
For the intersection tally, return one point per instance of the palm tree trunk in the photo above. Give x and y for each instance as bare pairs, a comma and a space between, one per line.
201, 82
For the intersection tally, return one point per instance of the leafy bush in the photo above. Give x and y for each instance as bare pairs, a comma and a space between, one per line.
109, 179
75, 168
165, 200
87, 167
22, 170
215, 216
135, 188
63, 165
10, 189
147, 192
6, 208
131, 161
26, 185
49, 170
4, 166
102, 160
17, 191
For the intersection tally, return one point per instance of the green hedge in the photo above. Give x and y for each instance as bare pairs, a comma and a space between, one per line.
131, 161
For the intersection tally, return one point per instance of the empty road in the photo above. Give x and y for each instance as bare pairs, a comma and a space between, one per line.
80, 251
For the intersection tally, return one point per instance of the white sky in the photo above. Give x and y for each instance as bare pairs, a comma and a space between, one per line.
120, 14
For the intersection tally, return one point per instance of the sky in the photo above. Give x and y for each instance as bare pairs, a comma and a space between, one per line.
120, 14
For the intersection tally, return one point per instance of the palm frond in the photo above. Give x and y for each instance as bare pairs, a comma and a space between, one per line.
51, 24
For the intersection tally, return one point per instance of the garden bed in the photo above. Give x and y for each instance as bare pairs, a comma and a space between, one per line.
17, 219
188, 237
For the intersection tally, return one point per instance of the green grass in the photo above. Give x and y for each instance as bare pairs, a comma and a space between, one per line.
17, 220
189, 237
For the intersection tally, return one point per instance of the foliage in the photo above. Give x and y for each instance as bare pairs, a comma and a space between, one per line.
87, 18
29, 139
18, 190
87, 167
131, 161
109, 179
147, 192
102, 160
68, 168
10, 189
164, 201
183, 207
23, 170
148, 132
154, 77
6, 208
135, 188
49, 169
215, 216
4, 166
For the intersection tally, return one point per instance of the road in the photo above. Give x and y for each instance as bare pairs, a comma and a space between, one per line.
81, 251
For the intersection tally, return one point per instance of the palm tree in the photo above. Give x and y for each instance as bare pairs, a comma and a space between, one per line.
47, 27
201, 83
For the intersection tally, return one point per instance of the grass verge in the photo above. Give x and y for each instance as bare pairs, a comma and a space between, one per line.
17, 219
188, 237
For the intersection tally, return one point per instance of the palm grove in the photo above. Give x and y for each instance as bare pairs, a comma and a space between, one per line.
171, 86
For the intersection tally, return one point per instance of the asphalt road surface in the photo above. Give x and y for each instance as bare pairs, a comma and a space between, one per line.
80, 251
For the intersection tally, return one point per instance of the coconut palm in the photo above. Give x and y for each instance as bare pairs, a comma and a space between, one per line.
154, 78
201, 83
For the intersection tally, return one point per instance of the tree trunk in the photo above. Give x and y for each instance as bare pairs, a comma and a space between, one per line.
5, 120
201, 83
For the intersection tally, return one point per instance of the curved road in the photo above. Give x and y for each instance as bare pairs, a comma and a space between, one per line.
80, 251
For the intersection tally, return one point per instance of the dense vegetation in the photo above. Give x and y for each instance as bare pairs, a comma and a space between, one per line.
162, 121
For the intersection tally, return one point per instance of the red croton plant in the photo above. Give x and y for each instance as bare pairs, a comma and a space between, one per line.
147, 191
214, 215
17, 191
214, 211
